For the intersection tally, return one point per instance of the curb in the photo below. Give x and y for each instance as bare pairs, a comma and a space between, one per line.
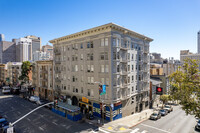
137, 123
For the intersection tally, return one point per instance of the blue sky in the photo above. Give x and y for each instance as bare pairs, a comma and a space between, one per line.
173, 24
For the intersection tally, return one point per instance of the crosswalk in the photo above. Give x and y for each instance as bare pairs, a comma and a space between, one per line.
137, 130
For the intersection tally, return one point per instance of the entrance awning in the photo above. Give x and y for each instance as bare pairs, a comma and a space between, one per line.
68, 107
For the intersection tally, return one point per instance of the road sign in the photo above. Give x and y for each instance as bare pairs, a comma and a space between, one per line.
10, 130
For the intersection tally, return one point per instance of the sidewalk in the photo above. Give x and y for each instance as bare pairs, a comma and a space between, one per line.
124, 124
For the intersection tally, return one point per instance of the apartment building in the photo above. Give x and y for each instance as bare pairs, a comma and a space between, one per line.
23, 49
36, 43
156, 69
13, 72
43, 79
3, 73
7, 51
109, 55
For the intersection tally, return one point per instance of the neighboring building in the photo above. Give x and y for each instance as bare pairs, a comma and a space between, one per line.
39, 55
23, 49
36, 43
43, 79
45, 54
3, 73
156, 58
111, 55
198, 42
189, 55
7, 52
48, 49
13, 72
156, 69
2, 37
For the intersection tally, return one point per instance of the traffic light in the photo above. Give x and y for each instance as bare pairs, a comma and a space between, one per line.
159, 90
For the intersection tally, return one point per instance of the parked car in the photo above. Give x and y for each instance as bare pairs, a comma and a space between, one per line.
6, 90
197, 127
163, 112
15, 90
34, 99
155, 115
169, 108
41, 101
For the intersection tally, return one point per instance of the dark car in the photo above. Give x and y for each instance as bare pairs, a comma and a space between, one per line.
15, 90
197, 127
163, 112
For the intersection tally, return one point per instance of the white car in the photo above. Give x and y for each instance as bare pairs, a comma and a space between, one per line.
34, 98
6, 90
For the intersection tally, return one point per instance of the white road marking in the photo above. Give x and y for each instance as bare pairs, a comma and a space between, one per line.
41, 128
55, 123
135, 130
144, 131
155, 128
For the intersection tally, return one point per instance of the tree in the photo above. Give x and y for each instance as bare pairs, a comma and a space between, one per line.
26, 67
185, 84
164, 99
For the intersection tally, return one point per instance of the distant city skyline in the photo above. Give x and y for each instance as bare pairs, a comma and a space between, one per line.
172, 24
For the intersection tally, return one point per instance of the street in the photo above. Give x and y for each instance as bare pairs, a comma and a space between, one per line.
41, 121
175, 122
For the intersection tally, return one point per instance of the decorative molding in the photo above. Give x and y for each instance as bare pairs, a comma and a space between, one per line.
97, 30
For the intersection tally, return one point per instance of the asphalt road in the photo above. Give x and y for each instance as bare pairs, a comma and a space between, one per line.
41, 121
175, 122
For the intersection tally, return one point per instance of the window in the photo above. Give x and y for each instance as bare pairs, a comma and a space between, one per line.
117, 42
132, 67
102, 56
102, 68
76, 90
92, 80
102, 42
76, 68
106, 42
118, 68
91, 45
88, 69
132, 88
81, 89
88, 45
92, 68
81, 56
64, 87
106, 69
114, 56
88, 56
91, 56
114, 42
132, 78
73, 79
132, 101
81, 46
88, 80
132, 57
73, 89
88, 92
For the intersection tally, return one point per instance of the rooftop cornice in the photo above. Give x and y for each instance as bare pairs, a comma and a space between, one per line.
99, 29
